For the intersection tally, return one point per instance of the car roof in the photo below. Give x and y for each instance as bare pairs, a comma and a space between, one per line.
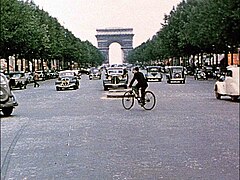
116, 68
153, 67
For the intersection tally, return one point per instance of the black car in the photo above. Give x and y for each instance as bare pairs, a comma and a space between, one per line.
154, 73
176, 74
115, 77
95, 73
200, 74
18, 80
67, 80
209, 71
7, 99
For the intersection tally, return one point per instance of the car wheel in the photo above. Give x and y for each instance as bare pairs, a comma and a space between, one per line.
218, 96
234, 98
105, 88
7, 111
4, 95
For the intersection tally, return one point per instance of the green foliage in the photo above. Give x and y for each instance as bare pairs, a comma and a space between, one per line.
29, 32
194, 26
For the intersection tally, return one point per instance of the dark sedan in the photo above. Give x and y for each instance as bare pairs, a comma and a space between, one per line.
67, 80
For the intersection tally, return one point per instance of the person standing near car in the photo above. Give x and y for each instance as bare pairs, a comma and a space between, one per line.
141, 83
35, 79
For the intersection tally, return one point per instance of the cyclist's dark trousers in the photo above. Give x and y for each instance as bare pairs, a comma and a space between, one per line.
143, 89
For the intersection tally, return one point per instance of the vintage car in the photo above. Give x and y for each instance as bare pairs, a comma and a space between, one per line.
29, 77
84, 71
115, 77
200, 75
176, 74
18, 80
218, 72
7, 99
228, 85
95, 73
41, 75
67, 80
153, 73
209, 71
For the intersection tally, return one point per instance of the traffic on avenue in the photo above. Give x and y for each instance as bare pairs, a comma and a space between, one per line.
84, 133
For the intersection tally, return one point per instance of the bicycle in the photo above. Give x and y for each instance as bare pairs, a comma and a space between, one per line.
129, 96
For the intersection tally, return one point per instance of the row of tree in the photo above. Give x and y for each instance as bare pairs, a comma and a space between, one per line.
29, 32
193, 27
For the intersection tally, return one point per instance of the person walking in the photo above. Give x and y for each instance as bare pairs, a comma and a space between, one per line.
141, 83
35, 79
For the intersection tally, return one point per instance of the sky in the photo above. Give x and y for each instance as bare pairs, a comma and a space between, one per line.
83, 17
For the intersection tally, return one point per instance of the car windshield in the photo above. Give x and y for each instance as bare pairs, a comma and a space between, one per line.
16, 75
209, 68
115, 71
66, 74
177, 70
153, 70
95, 70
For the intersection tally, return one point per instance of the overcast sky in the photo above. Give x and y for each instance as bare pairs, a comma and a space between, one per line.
83, 17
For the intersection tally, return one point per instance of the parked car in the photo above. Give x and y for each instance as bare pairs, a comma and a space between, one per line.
190, 70
41, 76
218, 72
154, 73
115, 77
18, 80
176, 74
209, 71
29, 77
95, 73
67, 80
7, 99
200, 75
228, 85
84, 71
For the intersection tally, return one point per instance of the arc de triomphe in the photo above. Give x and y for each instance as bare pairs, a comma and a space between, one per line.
123, 36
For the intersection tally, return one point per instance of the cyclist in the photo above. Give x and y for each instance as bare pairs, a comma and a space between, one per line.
141, 83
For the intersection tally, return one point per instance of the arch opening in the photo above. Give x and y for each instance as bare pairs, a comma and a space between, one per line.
115, 54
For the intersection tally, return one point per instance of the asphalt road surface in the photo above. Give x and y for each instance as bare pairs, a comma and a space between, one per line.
81, 134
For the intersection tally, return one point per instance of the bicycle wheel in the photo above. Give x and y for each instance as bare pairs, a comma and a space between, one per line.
150, 100
128, 100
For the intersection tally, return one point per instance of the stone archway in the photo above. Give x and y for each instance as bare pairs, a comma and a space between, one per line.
122, 36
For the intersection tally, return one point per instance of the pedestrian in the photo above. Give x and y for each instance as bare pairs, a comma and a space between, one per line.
35, 79
141, 83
